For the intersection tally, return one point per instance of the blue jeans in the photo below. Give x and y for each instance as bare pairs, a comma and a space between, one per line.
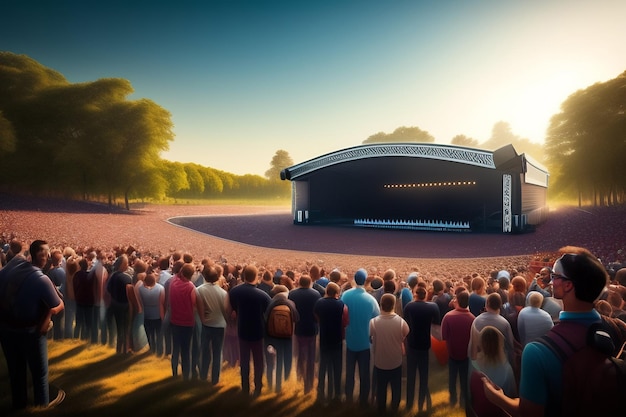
283, 360
331, 363
211, 354
459, 368
70, 316
181, 346
26, 350
362, 358
417, 360
393, 378
254, 347
153, 332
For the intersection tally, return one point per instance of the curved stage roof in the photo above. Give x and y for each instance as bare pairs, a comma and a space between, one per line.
420, 186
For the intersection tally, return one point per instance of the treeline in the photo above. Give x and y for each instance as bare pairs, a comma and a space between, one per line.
87, 140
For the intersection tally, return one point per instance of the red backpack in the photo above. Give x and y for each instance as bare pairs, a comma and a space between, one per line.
594, 380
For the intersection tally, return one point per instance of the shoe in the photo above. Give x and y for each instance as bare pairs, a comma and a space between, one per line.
58, 399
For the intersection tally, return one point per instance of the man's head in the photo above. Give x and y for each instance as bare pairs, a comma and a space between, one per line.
304, 281
580, 270
250, 273
360, 277
420, 293
387, 302
544, 276
210, 273
332, 290
494, 302
39, 253
187, 271
535, 299
462, 299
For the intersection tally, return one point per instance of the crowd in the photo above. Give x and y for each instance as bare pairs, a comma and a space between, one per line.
204, 314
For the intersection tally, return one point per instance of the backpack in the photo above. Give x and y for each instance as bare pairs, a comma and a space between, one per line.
594, 381
280, 322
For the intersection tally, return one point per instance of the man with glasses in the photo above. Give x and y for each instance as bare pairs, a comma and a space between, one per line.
578, 279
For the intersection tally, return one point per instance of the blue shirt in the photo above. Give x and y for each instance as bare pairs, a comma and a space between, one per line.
362, 307
542, 381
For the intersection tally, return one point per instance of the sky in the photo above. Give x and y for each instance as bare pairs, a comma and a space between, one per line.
244, 79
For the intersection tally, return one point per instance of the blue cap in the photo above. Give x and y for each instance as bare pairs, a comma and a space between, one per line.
360, 276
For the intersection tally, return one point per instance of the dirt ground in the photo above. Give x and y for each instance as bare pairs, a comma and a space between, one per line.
266, 236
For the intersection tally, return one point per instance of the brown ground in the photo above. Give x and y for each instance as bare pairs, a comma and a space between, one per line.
266, 236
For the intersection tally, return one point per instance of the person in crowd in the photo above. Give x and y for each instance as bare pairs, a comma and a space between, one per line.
305, 297
182, 320
56, 273
279, 350
492, 317
614, 298
165, 270
85, 290
138, 338
456, 327
478, 295
541, 282
212, 313
118, 287
491, 364
332, 316
503, 278
441, 298
532, 321
67, 291
231, 338
420, 315
152, 299
267, 282
100, 328
323, 280
249, 304
388, 332
362, 307
315, 273
28, 300
577, 280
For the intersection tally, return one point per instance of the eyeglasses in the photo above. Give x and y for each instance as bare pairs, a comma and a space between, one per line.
554, 276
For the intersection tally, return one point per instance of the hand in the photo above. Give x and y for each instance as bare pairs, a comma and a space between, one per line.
492, 391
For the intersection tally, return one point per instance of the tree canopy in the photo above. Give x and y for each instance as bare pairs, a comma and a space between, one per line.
587, 140
401, 134
90, 140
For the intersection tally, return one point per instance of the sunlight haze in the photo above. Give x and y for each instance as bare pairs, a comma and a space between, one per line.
243, 79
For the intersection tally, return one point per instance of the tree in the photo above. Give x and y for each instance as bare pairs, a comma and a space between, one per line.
462, 140
501, 135
586, 143
7, 136
280, 161
401, 134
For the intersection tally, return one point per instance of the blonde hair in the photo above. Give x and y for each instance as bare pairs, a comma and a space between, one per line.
492, 345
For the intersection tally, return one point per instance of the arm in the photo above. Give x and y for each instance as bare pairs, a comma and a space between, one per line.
162, 304
514, 406
200, 305
194, 298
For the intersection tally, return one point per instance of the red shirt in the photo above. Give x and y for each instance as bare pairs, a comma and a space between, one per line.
181, 306
456, 328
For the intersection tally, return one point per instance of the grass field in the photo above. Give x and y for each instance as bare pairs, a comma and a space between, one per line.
100, 383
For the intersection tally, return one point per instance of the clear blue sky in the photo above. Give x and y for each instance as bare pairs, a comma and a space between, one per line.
243, 79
